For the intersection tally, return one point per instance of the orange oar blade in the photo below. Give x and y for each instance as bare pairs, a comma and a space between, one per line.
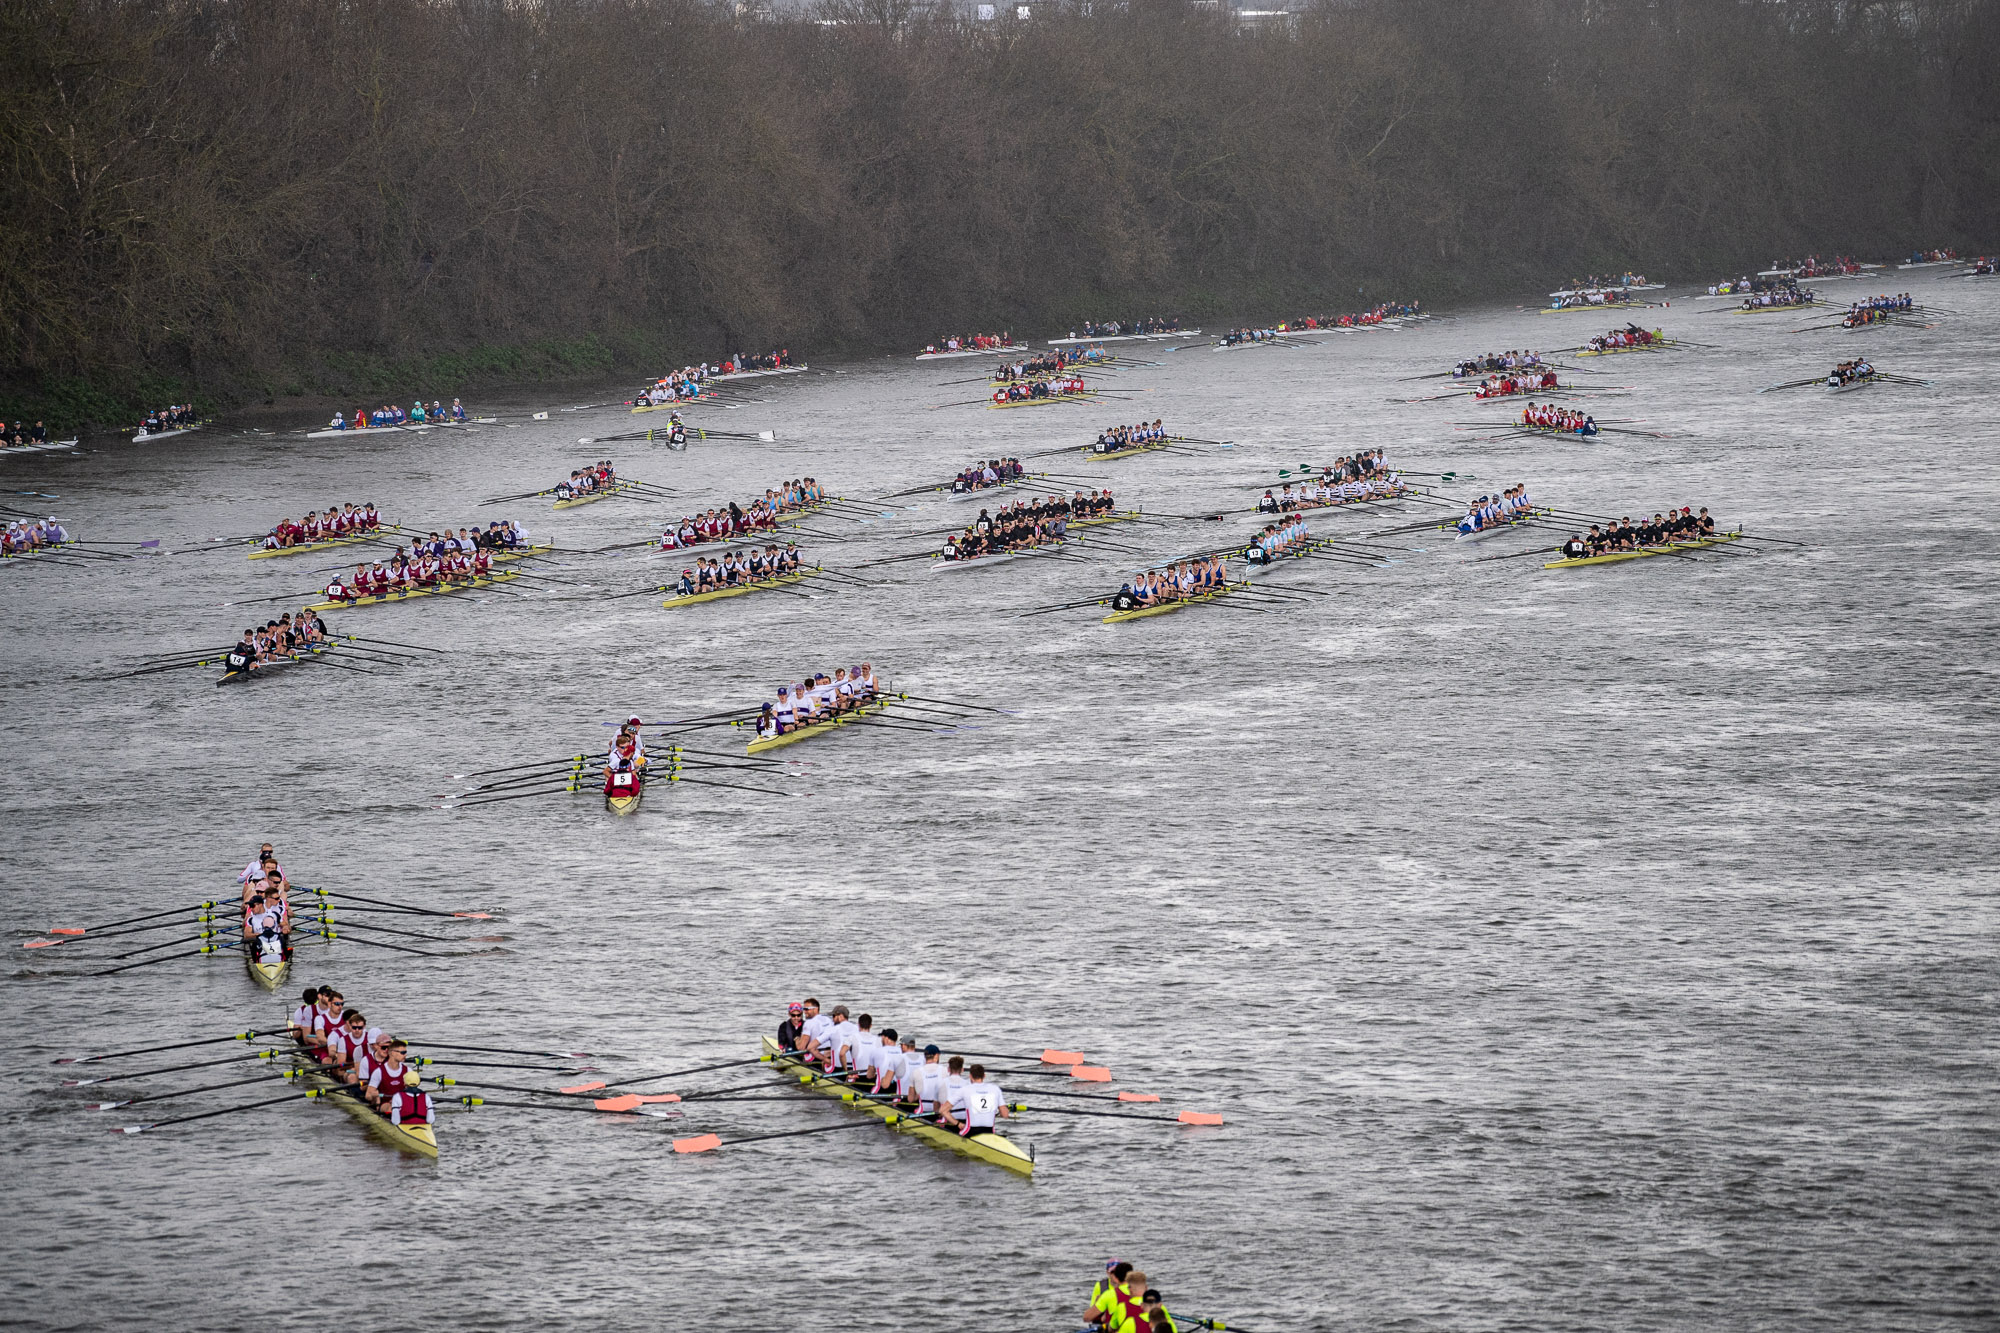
1062, 1057
582, 1087
1090, 1073
64, 930
700, 1143
40, 944
1199, 1118
629, 1102
1138, 1097
661, 1097
474, 916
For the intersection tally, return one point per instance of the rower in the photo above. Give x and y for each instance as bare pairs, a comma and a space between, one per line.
816, 1030
300, 1023
982, 1105
840, 1042
1115, 1272
387, 1069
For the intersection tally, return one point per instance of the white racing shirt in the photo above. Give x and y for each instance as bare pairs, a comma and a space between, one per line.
930, 1086
842, 1038
983, 1101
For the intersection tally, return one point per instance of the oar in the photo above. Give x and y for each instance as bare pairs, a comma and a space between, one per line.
498, 1050
282, 1076
151, 1050
133, 920
515, 768
593, 1109
1184, 1118
171, 1069
379, 902
227, 1110
711, 1142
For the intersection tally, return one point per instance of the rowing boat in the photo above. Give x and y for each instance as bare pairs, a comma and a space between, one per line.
1669, 549
995, 557
1150, 446
1849, 385
307, 548
1506, 525
762, 743
268, 975
418, 1139
742, 589
405, 594
506, 553
1084, 396
1162, 608
995, 1148
39, 550
1556, 431
1105, 519
144, 438
972, 351
405, 428
604, 493
1776, 309
264, 667
1127, 338
1657, 345
46, 447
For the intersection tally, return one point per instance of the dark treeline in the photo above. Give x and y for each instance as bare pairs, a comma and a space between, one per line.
246, 196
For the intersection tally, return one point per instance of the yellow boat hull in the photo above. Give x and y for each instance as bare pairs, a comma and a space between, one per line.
994, 1148
409, 594
618, 489
763, 743
309, 547
741, 589
420, 1140
268, 975
1615, 557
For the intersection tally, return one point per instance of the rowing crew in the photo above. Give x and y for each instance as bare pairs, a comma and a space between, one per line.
1629, 336
21, 536
346, 521
21, 434
403, 573
1497, 511
280, 640
1053, 388
818, 698
734, 569
181, 416
1495, 361
587, 481
267, 908
1615, 281
1277, 539
686, 382
1789, 294
1124, 1302
761, 515
1850, 372
1181, 581
1326, 494
627, 753
1025, 524
1045, 363
1562, 420
1877, 310
367, 1061
992, 472
502, 534
1112, 328
1113, 439
1679, 525
391, 415
1386, 311
1932, 256
952, 1095
978, 342
1594, 296
1239, 337
1509, 386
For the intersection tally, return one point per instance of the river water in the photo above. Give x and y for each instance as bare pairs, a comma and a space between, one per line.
1606, 948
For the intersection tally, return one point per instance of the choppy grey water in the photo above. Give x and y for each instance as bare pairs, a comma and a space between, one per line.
1611, 948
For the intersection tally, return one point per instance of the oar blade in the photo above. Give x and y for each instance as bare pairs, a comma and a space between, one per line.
699, 1143
1199, 1118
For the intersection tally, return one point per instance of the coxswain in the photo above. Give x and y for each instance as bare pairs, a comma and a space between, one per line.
1575, 549
242, 657
410, 1105
791, 1032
